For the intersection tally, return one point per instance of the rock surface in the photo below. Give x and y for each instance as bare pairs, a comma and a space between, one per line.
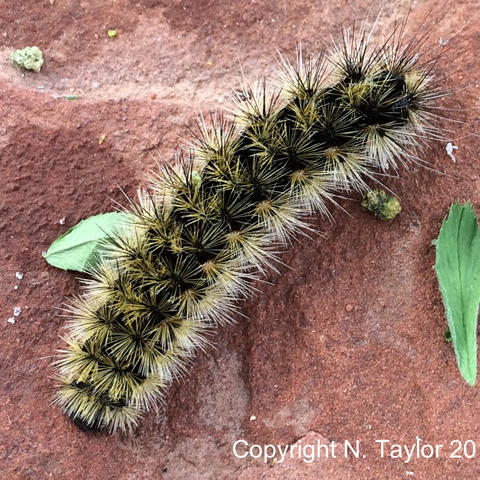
347, 344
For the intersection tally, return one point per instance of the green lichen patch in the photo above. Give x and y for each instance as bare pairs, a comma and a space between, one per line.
29, 58
383, 206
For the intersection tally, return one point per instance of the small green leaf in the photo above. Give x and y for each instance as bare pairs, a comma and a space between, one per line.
447, 335
76, 248
458, 271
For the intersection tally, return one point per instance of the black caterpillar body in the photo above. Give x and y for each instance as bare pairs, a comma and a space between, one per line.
216, 218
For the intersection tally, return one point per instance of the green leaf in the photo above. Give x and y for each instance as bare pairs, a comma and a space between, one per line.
458, 271
76, 248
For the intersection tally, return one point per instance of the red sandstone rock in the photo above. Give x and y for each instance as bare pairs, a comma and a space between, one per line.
301, 363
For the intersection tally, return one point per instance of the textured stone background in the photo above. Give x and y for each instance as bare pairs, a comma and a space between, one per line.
346, 344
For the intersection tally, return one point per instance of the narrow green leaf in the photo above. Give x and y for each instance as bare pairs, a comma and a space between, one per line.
76, 248
458, 271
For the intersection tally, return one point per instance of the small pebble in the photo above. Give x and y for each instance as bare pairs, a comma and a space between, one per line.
15, 287
11, 320
19, 275
17, 311
252, 418
62, 221
450, 148
348, 308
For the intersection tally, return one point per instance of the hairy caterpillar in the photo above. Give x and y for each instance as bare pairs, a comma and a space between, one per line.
242, 190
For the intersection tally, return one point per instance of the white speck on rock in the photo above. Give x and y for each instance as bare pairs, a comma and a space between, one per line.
11, 320
443, 41
450, 148
17, 311
19, 275
15, 287
252, 418
62, 221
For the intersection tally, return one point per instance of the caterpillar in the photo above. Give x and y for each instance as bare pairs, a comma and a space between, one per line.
240, 191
